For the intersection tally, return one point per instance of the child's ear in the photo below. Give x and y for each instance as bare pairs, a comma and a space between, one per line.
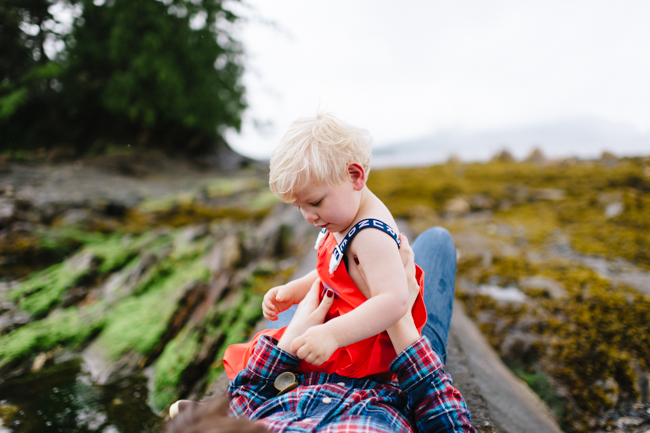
357, 175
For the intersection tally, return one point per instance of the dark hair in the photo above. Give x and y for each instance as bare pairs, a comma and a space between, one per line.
211, 417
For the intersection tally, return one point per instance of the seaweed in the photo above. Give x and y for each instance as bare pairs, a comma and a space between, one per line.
584, 343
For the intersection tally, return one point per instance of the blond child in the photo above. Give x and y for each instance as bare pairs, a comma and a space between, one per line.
321, 166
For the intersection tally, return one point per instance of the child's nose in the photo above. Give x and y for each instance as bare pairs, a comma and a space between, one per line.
310, 216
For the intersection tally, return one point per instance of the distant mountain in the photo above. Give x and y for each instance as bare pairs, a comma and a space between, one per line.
582, 137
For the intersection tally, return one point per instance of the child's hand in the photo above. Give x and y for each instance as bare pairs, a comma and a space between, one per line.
316, 345
311, 312
277, 300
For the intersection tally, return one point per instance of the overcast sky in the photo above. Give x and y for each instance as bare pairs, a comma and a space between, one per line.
409, 69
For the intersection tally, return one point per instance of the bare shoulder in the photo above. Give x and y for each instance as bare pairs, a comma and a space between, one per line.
377, 210
376, 246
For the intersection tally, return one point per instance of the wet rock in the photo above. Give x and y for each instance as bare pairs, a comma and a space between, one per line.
39, 362
550, 194
12, 319
503, 156
457, 206
608, 159
553, 288
628, 421
75, 217
7, 211
536, 156
503, 294
517, 193
225, 254
614, 209
454, 159
128, 342
7, 411
278, 233
521, 348
612, 391
481, 202
104, 369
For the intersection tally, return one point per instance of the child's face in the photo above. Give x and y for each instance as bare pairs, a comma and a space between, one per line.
330, 207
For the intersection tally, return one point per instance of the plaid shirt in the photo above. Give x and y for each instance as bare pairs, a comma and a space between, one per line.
423, 399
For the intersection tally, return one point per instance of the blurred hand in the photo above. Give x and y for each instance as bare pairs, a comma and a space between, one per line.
277, 300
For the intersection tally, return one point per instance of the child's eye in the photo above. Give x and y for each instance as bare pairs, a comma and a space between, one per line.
316, 203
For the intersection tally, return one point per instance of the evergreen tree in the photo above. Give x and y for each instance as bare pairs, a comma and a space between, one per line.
163, 74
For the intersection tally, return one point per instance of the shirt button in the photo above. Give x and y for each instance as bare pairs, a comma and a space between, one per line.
341, 383
327, 400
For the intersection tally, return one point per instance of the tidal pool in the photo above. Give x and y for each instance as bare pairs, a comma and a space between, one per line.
62, 398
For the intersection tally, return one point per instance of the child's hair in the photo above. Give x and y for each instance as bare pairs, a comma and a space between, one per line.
316, 150
211, 417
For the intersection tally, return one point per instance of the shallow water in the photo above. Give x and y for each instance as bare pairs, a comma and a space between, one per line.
62, 398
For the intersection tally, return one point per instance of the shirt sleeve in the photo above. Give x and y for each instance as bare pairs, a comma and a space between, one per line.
437, 406
254, 384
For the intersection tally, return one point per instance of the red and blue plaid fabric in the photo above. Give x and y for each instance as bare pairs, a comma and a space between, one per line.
423, 400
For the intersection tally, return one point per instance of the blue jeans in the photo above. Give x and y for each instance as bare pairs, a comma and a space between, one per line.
436, 255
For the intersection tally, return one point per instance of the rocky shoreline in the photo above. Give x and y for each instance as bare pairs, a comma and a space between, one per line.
139, 264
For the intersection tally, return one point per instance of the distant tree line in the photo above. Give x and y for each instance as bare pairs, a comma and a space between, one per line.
89, 74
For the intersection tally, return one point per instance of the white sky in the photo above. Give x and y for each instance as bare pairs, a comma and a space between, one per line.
407, 69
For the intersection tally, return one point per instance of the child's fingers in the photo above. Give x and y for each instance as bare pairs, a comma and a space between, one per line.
297, 346
269, 312
312, 358
268, 306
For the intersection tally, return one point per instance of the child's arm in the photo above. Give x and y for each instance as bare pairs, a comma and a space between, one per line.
384, 273
280, 298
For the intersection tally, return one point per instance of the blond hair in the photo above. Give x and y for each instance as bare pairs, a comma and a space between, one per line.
316, 150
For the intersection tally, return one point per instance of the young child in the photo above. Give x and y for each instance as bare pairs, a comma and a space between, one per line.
321, 167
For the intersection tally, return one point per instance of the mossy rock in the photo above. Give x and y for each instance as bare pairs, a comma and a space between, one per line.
593, 335
69, 328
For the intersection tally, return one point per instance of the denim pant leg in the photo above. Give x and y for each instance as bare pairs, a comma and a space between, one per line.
436, 255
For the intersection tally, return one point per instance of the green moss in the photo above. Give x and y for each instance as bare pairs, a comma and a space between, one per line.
116, 250
42, 291
137, 323
177, 356
226, 186
538, 220
184, 214
236, 325
541, 385
250, 312
508, 270
67, 327
237, 199
264, 200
